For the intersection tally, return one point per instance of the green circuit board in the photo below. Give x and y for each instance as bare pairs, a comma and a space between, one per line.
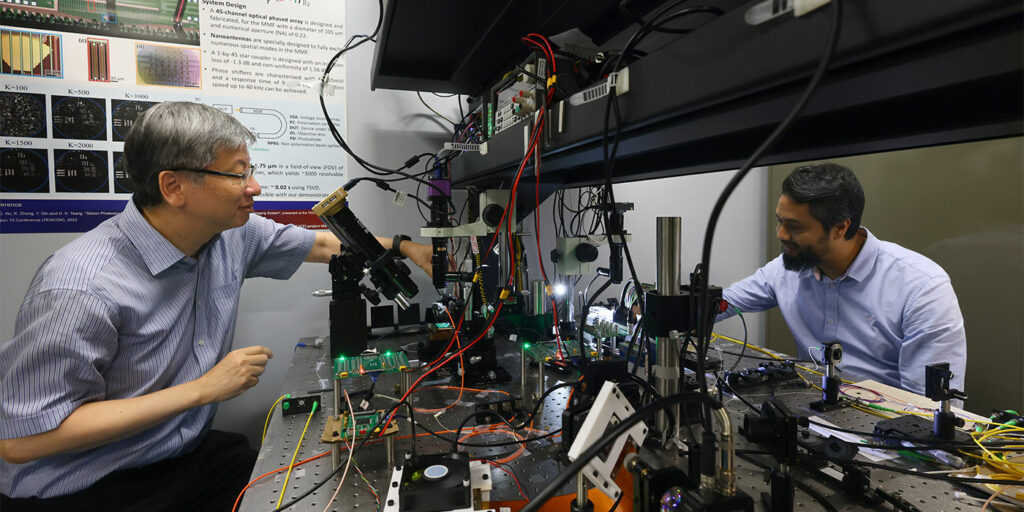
355, 366
549, 351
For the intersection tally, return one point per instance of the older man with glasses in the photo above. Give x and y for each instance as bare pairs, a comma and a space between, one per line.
122, 347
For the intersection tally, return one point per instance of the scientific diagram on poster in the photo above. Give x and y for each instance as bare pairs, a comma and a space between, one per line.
77, 74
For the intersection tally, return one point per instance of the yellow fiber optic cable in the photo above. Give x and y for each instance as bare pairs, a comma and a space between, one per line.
296, 454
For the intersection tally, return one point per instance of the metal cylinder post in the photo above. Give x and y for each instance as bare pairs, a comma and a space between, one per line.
389, 447
538, 298
522, 377
581, 491
540, 378
406, 383
669, 249
666, 372
336, 447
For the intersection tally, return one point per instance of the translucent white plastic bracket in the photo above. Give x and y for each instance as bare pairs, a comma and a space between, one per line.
465, 146
771, 9
620, 79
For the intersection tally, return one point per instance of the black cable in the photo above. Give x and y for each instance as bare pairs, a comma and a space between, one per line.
458, 431
573, 469
412, 425
612, 105
385, 186
743, 351
704, 300
526, 421
490, 445
540, 401
586, 310
372, 168
640, 21
724, 383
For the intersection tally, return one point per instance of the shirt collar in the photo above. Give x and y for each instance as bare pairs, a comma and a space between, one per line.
157, 252
865, 260
861, 265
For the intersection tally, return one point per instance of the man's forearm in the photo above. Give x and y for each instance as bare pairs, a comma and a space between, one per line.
98, 423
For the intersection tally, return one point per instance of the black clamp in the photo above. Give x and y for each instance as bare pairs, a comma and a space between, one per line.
396, 244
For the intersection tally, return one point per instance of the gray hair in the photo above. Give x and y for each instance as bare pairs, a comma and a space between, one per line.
177, 134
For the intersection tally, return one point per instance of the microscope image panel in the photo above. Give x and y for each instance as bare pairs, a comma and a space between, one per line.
80, 171
75, 117
123, 115
99, 60
30, 54
122, 183
173, 21
22, 115
24, 170
171, 66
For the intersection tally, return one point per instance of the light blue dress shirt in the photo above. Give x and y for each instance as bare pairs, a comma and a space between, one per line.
117, 313
894, 311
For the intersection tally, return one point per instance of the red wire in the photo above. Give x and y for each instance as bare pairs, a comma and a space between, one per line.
509, 473
551, 53
545, 47
446, 361
278, 470
181, 10
505, 214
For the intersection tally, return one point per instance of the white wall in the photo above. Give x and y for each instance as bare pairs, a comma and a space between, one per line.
20, 257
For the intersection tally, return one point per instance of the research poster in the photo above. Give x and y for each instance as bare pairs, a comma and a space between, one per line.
77, 73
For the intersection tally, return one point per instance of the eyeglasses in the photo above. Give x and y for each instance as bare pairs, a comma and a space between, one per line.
243, 178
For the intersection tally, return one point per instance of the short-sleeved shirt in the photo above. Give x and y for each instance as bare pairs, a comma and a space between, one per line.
894, 311
117, 313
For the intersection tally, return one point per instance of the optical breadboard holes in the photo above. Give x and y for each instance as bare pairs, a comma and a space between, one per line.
99, 60
174, 21
22, 115
75, 117
80, 171
123, 115
24, 170
170, 66
31, 54
122, 183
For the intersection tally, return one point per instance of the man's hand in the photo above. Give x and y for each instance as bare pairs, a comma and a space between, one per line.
420, 254
104, 421
237, 372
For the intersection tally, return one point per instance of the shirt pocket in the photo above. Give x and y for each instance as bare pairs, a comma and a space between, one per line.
219, 308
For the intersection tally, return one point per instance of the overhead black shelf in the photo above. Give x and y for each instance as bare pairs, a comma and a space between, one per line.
462, 46
906, 74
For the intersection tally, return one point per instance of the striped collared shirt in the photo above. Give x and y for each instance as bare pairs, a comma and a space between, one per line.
117, 313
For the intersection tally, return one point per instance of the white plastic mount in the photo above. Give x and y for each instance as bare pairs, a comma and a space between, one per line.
609, 409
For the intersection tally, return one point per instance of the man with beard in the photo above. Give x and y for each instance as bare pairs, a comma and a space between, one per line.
893, 309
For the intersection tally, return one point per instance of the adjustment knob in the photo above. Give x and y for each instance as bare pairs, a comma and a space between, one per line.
586, 253
492, 214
